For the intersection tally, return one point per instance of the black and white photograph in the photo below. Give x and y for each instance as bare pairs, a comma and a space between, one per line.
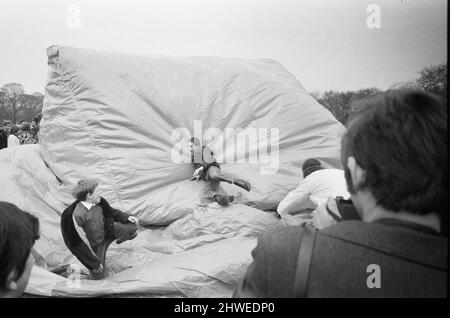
223, 154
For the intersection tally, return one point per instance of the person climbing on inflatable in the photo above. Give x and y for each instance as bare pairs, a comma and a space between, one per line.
208, 169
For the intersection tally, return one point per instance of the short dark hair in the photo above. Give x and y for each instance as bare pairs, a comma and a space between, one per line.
310, 165
400, 139
18, 232
25, 126
14, 129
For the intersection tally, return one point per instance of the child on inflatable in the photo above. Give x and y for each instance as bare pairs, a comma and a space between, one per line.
208, 170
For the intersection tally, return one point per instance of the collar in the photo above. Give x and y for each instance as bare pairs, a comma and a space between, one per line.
87, 205
410, 225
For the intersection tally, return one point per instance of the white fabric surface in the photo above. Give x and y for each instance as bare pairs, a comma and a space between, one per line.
110, 116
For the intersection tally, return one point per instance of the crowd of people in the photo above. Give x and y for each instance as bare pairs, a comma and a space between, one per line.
379, 226
16, 134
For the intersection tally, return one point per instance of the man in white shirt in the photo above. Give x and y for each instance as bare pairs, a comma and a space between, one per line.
317, 185
13, 141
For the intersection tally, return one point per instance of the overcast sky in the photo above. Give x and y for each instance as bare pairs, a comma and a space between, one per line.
326, 44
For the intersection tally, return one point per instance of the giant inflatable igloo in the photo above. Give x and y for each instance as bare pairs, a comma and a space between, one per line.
124, 120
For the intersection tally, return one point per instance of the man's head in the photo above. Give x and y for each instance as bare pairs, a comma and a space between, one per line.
25, 126
310, 165
18, 232
87, 190
395, 148
14, 130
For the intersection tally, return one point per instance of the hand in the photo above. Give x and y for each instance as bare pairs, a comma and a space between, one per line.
198, 171
134, 220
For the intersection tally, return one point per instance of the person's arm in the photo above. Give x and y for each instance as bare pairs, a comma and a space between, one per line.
254, 284
120, 216
297, 200
123, 217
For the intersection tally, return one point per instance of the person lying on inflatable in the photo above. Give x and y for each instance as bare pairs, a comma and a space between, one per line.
208, 169
89, 225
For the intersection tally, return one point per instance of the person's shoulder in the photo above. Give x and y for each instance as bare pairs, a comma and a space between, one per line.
347, 227
282, 233
281, 240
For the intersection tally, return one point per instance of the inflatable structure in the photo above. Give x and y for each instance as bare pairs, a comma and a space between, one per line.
125, 120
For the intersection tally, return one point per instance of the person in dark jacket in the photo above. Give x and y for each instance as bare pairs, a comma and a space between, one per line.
3, 139
89, 225
394, 155
19, 231
208, 170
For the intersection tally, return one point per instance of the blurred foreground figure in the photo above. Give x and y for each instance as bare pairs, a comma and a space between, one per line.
395, 158
90, 225
18, 232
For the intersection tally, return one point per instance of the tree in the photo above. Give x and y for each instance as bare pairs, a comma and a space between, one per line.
30, 106
15, 105
9, 100
338, 103
341, 104
434, 79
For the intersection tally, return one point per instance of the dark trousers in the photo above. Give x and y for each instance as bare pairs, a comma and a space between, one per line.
122, 233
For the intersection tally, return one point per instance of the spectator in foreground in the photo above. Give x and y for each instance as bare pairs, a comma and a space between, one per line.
18, 232
316, 186
13, 141
395, 158
90, 225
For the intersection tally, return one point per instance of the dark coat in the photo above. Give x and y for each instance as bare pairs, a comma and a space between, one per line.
412, 261
74, 242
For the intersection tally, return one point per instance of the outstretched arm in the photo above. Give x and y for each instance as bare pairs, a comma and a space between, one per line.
120, 216
297, 200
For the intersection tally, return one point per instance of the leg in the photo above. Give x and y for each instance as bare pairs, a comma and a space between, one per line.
101, 251
215, 192
214, 173
124, 232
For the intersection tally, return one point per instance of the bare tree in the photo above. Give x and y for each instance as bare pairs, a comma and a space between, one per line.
15, 105
30, 105
9, 100
434, 79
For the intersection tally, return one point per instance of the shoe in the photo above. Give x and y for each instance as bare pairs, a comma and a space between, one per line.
242, 184
223, 200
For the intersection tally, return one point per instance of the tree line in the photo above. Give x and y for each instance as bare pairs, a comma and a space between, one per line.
340, 104
17, 106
